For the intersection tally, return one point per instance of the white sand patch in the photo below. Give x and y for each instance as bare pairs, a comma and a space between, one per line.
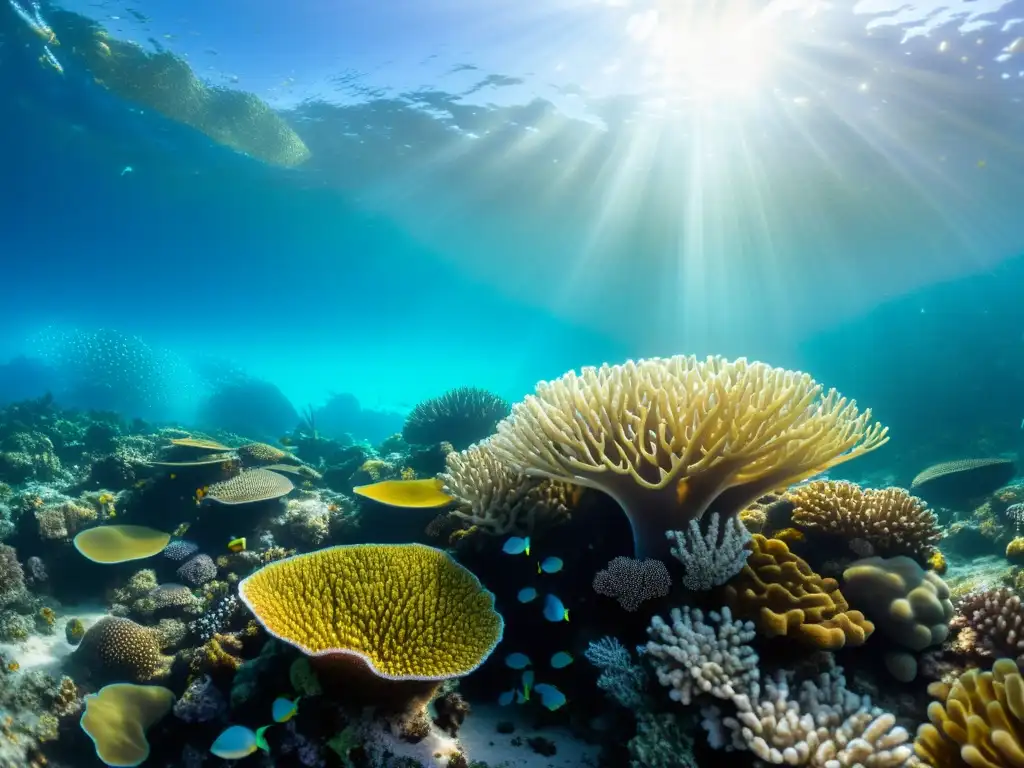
48, 652
480, 739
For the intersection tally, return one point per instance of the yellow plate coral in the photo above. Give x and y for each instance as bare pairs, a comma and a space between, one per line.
110, 544
409, 611
116, 719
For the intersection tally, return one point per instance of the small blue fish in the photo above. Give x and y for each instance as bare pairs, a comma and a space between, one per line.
238, 741
527, 595
550, 565
517, 546
550, 697
561, 660
506, 698
284, 709
527, 681
554, 610
517, 661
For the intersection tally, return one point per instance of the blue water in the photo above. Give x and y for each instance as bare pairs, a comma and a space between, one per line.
498, 194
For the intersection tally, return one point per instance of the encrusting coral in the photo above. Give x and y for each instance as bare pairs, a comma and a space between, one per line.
783, 596
978, 721
670, 439
399, 612
500, 500
890, 520
907, 604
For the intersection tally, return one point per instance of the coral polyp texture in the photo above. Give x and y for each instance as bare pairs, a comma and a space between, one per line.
117, 717
783, 596
409, 611
996, 618
109, 544
263, 453
460, 416
978, 721
249, 487
954, 483
119, 649
889, 520
670, 439
632, 581
500, 500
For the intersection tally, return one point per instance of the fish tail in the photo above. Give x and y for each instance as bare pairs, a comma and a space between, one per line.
566, 614
261, 740
538, 567
527, 546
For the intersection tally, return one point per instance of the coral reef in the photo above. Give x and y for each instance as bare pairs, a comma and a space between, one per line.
119, 649
460, 417
708, 560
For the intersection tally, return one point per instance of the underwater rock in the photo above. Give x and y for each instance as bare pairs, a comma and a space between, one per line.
954, 484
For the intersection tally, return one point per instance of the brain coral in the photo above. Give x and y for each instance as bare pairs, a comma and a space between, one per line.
978, 722
116, 719
783, 596
460, 416
891, 520
670, 439
119, 649
408, 611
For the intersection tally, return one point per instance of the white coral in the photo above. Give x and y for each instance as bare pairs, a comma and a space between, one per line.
692, 656
708, 562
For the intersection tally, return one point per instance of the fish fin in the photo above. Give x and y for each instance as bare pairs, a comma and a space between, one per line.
261, 740
566, 614
538, 567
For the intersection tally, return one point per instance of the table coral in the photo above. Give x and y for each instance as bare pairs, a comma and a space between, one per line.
249, 487
783, 596
978, 722
670, 439
889, 519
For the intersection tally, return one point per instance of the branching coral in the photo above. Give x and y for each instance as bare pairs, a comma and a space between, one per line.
623, 679
670, 439
996, 618
500, 500
978, 722
783, 596
460, 416
890, 520
710, 562
692, 656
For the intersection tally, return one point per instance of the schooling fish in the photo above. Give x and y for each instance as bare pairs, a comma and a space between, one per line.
517, 661
237, 545
284, 709
527, 595
517, 546
550, 697
554, 610
506, 698
550, 565
561, 660
238, 741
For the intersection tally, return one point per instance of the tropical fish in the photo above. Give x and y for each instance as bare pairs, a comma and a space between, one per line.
517, 661
506, 698
517, 545
284, 709
550, 697
527, 595
554, 610
237, 742
550, 565
561, 659
237, 545
527, 681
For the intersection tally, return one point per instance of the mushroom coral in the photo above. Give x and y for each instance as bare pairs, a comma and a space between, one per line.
671, 438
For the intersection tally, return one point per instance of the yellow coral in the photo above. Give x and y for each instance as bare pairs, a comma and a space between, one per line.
1015, 550
120, 543
978, 721
783, 596
116, 719
409, 611
937, 562
670, 438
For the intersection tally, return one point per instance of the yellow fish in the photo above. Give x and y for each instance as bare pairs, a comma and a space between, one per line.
237, 545
409, 494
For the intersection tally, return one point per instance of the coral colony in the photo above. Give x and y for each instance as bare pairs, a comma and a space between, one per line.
188, 597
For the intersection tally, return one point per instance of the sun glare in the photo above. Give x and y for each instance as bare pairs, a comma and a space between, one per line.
719, 52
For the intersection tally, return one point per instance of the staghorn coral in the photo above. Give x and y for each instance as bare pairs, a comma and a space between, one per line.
710, 562
119, 649
692, 656
670, 439
783, 596
996, 619
978, 721
407, 611
460, 416
116, 719
500, 500
632, 581
890, 520
826, 726
906, 603
249, 487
